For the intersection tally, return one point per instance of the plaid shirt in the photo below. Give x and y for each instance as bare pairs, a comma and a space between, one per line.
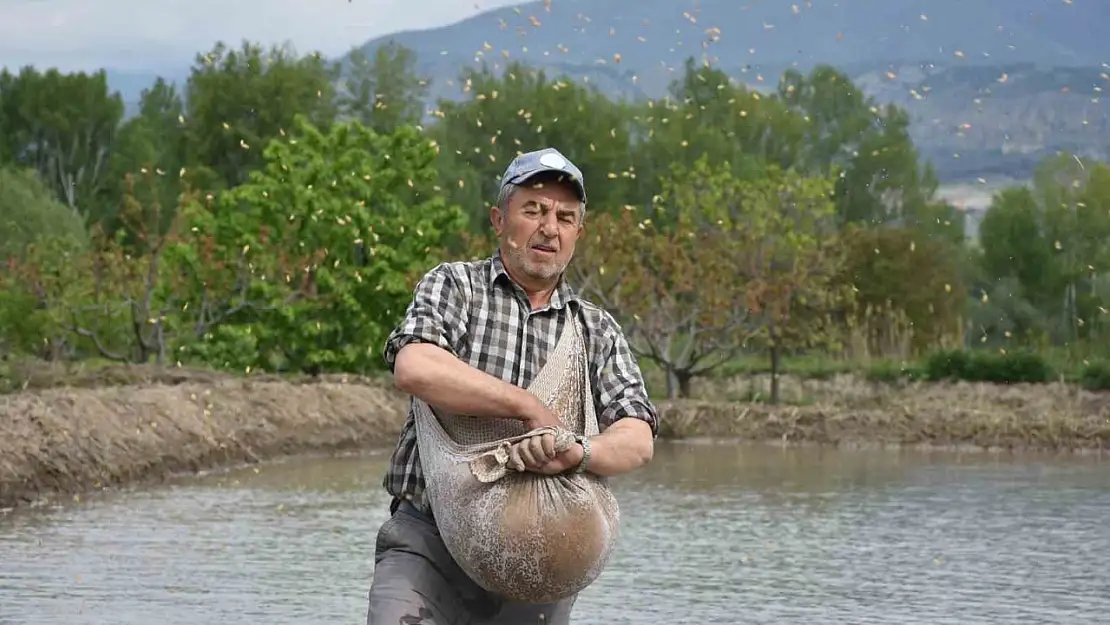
498, 333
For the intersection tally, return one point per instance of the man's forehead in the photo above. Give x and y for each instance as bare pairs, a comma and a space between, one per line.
549, 192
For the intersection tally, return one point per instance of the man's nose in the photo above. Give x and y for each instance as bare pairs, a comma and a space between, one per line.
548, 227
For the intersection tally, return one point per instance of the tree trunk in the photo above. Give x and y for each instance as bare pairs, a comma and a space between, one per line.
774, 366
684, 379
672, 384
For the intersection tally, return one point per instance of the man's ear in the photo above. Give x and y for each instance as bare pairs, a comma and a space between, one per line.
497, 220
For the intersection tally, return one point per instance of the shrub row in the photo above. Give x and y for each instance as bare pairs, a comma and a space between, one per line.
988, 366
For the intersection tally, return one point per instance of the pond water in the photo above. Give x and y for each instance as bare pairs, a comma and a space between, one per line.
712, 533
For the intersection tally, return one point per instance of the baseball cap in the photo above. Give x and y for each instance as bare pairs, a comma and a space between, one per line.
529, 164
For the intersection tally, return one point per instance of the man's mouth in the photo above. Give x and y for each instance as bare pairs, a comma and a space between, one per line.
546, 249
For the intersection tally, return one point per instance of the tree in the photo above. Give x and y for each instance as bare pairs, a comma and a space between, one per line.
522, 110
383, 92
910, 295
30, 214
672, 289
346, 217
237, 101
867, 146
1015, 251
35, 229
708, 114
1049, 242
62, 126
114, 303
153, 141
734, 261
784, 228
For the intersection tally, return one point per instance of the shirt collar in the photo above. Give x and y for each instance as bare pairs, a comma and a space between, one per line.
562, 295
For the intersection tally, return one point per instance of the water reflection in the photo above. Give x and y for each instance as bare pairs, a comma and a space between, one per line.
712, 533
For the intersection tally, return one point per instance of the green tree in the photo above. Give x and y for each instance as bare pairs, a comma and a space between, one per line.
345, 219
237, 101
62, 126
153, 141
30, 214
880, 178
1048, 242
784, 228
708, 114
36, 230
909, 292
523, 110
383, 92
112, 301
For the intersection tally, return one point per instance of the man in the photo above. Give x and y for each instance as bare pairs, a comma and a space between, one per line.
471, 341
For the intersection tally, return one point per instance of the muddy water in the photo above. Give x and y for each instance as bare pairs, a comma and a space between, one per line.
713, 534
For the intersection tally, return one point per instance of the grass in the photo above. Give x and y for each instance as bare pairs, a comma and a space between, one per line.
30, 375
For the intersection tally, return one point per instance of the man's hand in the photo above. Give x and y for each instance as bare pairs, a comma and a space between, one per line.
533, 452
537, 454
539, 415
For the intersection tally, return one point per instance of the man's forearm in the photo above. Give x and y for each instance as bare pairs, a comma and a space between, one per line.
626, 446
442, 380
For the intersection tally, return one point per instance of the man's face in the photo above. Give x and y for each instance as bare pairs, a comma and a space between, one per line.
539, 229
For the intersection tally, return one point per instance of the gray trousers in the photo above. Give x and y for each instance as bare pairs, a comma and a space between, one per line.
417, 582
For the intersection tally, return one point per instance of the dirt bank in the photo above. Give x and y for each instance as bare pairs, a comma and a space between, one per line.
61, 441
134, 426
846, 410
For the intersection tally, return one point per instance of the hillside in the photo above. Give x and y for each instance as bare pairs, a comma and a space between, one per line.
992, 86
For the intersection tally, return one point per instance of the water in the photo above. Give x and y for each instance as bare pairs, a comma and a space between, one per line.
713, 534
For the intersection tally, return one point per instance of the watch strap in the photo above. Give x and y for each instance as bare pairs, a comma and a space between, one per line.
585, 442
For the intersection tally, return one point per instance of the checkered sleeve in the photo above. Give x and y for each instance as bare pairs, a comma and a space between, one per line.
619, 388
436, 315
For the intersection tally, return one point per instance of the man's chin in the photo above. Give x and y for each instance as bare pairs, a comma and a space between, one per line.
543, 271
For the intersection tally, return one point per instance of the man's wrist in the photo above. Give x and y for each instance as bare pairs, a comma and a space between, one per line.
527, 406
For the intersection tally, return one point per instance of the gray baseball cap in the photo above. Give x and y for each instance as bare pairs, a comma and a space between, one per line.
529, 164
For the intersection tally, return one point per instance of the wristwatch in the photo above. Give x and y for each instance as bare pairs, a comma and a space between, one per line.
584, 441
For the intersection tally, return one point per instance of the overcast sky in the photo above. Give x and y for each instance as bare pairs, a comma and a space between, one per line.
143, 34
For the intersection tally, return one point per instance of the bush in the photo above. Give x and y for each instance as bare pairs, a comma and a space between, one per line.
892, 371
983, 366
1095, 376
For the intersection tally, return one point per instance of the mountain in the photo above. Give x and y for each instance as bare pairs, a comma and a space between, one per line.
992, 85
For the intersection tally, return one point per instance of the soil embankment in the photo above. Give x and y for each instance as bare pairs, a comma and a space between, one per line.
69, 440
846, 410
117, 429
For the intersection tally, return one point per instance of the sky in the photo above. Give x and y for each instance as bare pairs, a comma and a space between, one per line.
137, 35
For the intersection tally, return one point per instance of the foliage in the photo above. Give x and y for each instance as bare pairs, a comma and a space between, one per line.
239, 100
673, 291
62, 126
331, 235
987, 366
522, 110
735, 261
893, 371
30, 215
1049, 242
1095, 375
383, 91
901, 274
232, 222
